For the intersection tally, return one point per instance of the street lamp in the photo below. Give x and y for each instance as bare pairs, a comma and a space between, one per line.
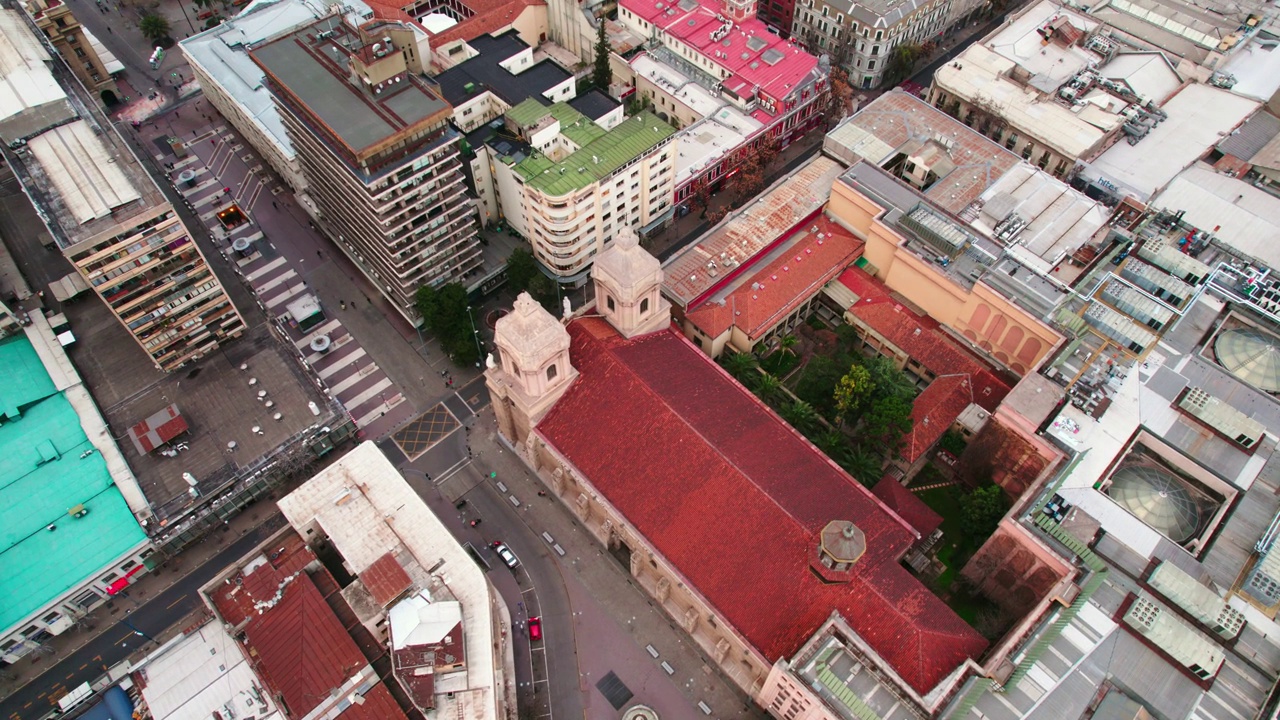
135, 630
188, 18
475, 333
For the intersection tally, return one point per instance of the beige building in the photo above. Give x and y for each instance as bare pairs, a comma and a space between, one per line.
107, 216
570, 183
1053, 87
86, 57
385, 178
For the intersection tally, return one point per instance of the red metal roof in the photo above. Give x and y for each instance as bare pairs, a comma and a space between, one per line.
814, 255
908, 506
385, 579
158, 429
378, 705
741, 50
735, 499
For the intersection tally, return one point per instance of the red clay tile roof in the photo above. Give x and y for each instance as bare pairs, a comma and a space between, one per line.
909, 507
235, 600
933, 413
385, 579
490, 17
921, 337
378, 705
302, 649
811, 259
734, 499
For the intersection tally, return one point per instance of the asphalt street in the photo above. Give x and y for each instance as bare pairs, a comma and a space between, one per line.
119, 641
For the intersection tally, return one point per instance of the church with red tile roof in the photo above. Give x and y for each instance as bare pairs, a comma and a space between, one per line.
746, 534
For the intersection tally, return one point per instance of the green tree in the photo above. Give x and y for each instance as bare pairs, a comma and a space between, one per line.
851, 391
864, 464
445, 312
788, 343
544, 290
601, 73
981, 511
887, 418
800, 415
817, 385
521, 269
202, 3
833, 443
741, 366
768, 387
901, 62
154, 27
953, 442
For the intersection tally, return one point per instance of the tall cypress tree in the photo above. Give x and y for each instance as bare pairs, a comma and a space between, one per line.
602, 75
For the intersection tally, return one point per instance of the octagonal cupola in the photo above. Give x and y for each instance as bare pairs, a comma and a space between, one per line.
628, 285
840, 545
533, 349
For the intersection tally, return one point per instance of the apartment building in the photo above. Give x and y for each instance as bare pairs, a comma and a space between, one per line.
88, 59
862, 36
105, 213
376, 151
569, 183
727, 80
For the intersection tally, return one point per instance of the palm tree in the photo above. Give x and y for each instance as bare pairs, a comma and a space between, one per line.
740, 365
787, 343
800, 415
832, 443
153, 27
864, 465
768, 387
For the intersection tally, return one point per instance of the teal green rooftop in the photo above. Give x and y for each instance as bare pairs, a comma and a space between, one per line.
42, 476
600, 152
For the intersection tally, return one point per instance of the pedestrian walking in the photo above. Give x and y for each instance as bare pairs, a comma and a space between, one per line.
274, 205
110, 30
343, 303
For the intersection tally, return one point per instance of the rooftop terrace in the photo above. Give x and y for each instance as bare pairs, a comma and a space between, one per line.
599, 157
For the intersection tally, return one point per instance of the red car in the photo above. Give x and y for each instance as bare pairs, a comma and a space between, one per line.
535, 628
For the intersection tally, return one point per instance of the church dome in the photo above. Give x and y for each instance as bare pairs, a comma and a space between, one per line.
627, 264
529, 332
1159, 499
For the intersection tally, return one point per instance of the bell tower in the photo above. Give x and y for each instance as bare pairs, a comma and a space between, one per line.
532, 371
739, 10
628, 288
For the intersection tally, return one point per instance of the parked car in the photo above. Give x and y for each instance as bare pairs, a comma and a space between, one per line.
507, 556
535, 628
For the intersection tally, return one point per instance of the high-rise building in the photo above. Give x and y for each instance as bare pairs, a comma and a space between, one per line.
103, 210
376, 151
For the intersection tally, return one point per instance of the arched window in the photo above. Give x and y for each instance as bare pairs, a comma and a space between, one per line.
551, 373
644, 306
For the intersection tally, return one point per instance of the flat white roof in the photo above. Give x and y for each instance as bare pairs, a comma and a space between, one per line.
25, 79
202, 673
1199, 117
223, 53
1247, 218
675, 83
1059, 219
1052, 63
82, 170
979, 72
367, 509
1149, 74
1256, 68
703, 143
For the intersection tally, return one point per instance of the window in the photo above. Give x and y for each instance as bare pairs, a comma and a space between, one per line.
79, 52
608, 301
644, 306
51, 617
875, 50
871, 65
551, 373
879, 35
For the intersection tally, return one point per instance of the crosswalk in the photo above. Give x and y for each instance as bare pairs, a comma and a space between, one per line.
344, 368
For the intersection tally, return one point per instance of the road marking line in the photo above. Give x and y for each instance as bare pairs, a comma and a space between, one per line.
171, 605
526, 591
84, 666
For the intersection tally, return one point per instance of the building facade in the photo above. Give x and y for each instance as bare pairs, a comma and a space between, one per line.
76, 46
386, 181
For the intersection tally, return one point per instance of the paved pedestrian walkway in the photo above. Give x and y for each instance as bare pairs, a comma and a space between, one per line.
340, 364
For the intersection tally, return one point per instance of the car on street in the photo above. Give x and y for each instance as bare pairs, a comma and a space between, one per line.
505, 553
535, 628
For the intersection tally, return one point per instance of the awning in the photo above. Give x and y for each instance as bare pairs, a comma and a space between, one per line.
123, 582
657, 222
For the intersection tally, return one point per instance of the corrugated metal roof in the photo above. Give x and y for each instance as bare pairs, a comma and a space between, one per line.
385, 579
83, 170
1249, 139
